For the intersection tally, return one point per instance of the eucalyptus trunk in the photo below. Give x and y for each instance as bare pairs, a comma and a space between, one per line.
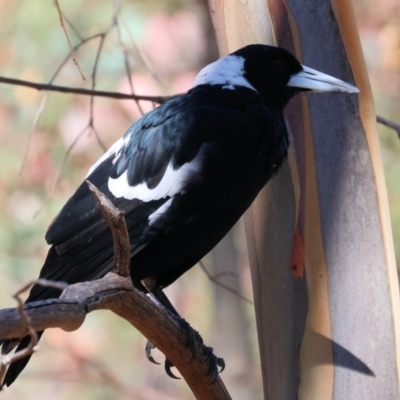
319, 236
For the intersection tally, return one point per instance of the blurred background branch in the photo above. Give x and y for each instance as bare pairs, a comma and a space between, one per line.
389, 124
86, 92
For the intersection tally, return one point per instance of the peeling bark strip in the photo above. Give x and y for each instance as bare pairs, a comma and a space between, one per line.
345, 313
115, 292
280, 299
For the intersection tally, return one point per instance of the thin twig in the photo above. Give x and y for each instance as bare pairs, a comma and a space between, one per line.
76, 47
390, 124
94, 74
71, 49
226, 287
82, 91
141, 54
97, 135
43, 101
38, 114
72, 26
26, 323
93, 93
127, 65
60, 168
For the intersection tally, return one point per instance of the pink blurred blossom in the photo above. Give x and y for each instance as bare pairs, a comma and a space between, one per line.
174, 42
108, 120
142, 85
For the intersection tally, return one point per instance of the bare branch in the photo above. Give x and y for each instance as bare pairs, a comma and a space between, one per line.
127, 65
116, 293
76, 47
71, 49
390, 124
26, 326
38, 114
82, 91
116, 220
60, 168
141, 54
72, 26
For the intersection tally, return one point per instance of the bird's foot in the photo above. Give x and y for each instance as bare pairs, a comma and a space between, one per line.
195, 343
213, 362
150, 346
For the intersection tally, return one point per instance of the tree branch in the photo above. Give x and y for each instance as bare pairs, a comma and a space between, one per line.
116, 293
86, 92
389, 124
116, 221
26, 327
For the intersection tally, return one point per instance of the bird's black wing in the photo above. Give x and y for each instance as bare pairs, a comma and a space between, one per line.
142, 156
147, 167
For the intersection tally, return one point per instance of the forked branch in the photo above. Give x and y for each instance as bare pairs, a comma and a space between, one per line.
115, 292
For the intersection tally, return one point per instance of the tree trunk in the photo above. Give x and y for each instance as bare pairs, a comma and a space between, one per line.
327, 310
231, 327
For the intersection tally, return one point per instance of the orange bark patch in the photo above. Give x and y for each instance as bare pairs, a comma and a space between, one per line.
297, 258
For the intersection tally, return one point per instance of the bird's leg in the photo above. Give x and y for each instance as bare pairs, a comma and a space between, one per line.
161, 298
190, 333
192, 336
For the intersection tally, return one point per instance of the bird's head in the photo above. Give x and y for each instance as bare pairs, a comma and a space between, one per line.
271, 71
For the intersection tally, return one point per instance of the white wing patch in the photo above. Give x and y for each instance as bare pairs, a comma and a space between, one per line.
171, 183
227, 71
114, 149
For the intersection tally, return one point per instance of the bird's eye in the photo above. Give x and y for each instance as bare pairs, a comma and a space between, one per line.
278, 66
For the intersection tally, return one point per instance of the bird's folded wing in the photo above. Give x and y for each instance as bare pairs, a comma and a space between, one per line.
142, 171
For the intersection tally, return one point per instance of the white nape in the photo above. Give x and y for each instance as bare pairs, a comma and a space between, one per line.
171, 183
114, 149
160, 211
227, 71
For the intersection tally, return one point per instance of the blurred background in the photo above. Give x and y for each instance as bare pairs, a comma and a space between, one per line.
165, 43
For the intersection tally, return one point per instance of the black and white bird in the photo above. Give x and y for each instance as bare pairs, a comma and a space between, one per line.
184, 174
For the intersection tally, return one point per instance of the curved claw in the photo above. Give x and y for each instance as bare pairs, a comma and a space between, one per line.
150, 346
168, 365
221, 363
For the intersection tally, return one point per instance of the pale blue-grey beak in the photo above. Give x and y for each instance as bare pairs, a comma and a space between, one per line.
316, 81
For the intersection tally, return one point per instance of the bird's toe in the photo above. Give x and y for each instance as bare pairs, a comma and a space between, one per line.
168, 365
150, 346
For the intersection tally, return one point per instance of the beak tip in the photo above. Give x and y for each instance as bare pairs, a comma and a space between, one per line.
352, 89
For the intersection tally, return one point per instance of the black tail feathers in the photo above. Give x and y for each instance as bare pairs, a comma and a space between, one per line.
16, 368
76, 265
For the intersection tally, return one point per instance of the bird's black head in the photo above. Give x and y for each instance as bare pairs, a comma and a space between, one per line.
271, 71
268, 69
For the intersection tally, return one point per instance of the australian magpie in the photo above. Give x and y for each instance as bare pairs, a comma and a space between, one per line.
184, 174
